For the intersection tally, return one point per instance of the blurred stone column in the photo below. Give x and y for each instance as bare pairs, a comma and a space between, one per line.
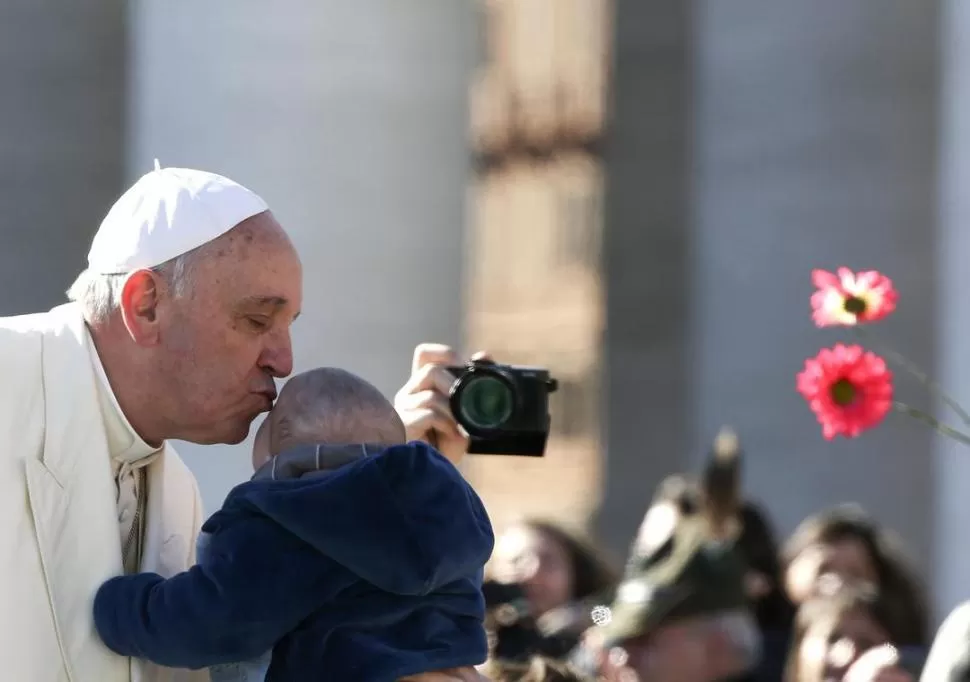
646, 244
952, 501
350, 118
815, 147
534, 281
62, 79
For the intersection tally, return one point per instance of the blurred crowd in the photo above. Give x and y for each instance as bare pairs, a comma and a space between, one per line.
710, 594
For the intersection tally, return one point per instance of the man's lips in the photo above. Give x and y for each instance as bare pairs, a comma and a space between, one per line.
270, 396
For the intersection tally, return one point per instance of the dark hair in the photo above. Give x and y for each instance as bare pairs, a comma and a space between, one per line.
901, 591
830, 610
537, 669
593, 576
757, 545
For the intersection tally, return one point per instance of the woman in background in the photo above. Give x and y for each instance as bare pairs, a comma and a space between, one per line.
543, 583
843, 546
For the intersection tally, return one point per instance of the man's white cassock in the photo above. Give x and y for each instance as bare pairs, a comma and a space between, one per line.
58, 517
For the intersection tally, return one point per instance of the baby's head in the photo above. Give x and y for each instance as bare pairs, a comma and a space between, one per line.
327, 405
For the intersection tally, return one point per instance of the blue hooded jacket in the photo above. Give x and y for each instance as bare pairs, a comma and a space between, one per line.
368, 573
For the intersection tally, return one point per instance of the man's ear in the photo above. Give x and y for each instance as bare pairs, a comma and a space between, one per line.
139, 306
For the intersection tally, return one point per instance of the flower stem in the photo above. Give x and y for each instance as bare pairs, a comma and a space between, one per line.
918, 374
933, 422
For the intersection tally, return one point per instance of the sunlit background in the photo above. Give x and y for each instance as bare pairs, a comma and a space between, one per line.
631, 193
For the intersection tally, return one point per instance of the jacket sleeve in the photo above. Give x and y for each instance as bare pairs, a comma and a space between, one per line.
253, 586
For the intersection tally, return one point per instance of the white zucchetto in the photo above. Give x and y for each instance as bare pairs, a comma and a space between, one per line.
166, 214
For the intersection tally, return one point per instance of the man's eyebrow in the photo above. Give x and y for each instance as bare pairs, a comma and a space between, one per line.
275, 301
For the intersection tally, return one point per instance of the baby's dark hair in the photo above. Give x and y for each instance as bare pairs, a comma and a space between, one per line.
330, 405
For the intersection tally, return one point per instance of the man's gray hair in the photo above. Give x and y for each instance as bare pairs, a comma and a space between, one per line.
100, 295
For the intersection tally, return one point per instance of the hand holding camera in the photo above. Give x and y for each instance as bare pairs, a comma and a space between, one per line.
881, 664
480, 407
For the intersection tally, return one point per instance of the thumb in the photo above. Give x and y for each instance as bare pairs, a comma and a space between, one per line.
884, 656
871, 662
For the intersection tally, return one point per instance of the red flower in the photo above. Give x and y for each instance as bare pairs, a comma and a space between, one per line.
848, 388
850, 297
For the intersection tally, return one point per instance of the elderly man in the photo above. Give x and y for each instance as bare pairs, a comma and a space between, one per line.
176, 330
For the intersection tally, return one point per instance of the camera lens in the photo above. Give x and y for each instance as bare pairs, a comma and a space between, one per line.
486, 402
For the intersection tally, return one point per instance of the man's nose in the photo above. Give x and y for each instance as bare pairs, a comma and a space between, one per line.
277, 357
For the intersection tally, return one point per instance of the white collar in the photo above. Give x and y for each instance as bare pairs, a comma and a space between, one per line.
124, 443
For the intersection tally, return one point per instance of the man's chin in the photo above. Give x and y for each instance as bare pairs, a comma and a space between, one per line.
225, 431
236, 438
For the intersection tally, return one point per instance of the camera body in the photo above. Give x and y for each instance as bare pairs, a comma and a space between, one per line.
503, 408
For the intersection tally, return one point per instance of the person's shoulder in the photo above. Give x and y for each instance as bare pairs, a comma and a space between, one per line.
414, 459
243, 499
960, 615
23, 330
23, 337
36, 324
949, 657
22, 344
241, 521
956, 626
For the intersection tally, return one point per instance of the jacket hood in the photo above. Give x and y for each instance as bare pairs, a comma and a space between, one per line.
404, 520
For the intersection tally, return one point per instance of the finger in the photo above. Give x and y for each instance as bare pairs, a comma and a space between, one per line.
872, 662
885, 655
891, 675
895, 675
433, 353
429, 377
426, 398
421, 422
409, 405
482, 355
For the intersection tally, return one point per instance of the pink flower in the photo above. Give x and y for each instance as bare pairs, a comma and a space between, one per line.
848, 298
848, 388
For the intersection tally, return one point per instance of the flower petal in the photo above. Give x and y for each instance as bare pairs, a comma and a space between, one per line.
870, 379
872, 288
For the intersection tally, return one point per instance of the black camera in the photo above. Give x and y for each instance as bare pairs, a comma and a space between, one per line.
504, 408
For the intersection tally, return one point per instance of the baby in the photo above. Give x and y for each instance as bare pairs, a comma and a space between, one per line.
366, 569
